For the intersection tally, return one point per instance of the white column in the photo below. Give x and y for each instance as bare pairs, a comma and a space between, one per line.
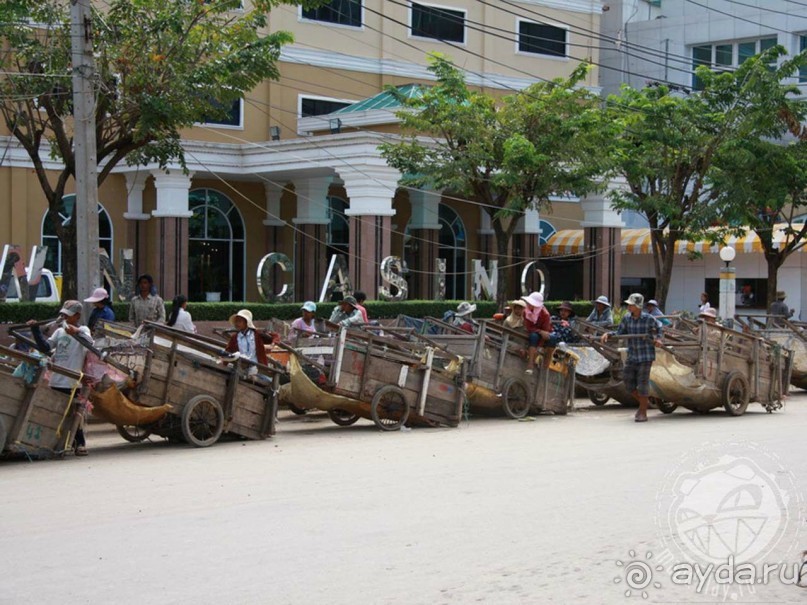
273, 193
173, 190
597, 210
371, 189
530, 223
135, 184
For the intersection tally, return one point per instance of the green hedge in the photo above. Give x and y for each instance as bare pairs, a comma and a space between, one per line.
22, 312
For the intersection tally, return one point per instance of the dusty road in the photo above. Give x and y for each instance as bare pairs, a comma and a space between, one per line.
495, 511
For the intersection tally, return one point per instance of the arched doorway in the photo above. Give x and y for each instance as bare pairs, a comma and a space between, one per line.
216, 247
53, 259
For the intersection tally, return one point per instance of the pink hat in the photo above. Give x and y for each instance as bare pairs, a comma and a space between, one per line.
536, 299
710, 312
98, 295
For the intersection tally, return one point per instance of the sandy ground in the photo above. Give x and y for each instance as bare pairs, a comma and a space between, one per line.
495, 511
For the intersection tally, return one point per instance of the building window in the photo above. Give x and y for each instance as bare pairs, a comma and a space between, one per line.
802, 48
233, 117
541, 39
452, 244
437, 23
216, 247
338, 12
750, 293
315, 106
717, 56
51, 240
338, 227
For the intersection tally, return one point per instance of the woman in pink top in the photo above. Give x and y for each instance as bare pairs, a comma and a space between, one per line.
360, 298
304, 326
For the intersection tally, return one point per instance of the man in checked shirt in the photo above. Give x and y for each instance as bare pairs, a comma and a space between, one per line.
641, 352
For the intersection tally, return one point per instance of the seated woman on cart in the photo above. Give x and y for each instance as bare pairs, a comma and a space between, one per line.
247, 341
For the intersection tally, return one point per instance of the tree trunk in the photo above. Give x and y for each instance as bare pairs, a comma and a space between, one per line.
505, 268
774, 261
663, 256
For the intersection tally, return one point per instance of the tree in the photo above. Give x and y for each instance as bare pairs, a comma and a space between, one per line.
160, 66
669, 140
763, 185
509, 155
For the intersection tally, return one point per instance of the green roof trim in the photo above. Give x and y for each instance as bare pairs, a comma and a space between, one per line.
384, 100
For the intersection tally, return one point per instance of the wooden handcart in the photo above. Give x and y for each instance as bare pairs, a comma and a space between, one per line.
35, 420
497, 360
207, 398
787, 333
391, 382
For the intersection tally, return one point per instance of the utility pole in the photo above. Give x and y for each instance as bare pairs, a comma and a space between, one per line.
86, 211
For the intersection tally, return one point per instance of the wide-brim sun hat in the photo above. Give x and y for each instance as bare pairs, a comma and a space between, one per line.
536, 299
636, 299
652, 302
710, 312
309, 306
98, 295
70, 308
351, 300
464, 308
566, 305
781, 295
519, 303
244, 314
603, 300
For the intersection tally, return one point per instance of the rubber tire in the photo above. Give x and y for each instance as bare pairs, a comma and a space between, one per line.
299, 411
381, 416
598, 397
132, 433
735, 388
342, 418
189, 423
514, 406
666, 407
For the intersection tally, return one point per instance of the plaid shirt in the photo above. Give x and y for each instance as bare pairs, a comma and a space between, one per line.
640, 350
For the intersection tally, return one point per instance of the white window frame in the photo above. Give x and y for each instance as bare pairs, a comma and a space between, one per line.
523, 53
240, 125
456, 9
301, 19
301, 96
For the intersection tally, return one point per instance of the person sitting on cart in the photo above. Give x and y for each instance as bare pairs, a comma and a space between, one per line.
360, 298
102, 308
538, 324
652, 309
563, 325
463, 318
347, 313
66, 351
601, 314
515, 320
709, 315
305, 325
247, 341
644, 334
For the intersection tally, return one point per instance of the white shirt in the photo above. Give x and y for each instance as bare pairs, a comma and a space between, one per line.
246, 345
184, 322
703, 307
68, 353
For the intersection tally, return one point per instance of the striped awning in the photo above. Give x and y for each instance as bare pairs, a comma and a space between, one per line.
637, 241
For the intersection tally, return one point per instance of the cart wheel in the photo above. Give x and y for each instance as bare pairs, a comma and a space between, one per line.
342, 417
665, 407
598, 397
515, 398
735, 394
389, 409
133, 433
202, 421
296, 410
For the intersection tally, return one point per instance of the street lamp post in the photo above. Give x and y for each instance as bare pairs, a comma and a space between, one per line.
728, 287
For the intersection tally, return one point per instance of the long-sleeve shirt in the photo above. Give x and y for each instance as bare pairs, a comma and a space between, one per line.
601, 319
346, 319
151, 308
780, 308
640, 350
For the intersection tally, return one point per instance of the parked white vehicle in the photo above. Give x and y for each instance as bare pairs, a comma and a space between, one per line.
48, 290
